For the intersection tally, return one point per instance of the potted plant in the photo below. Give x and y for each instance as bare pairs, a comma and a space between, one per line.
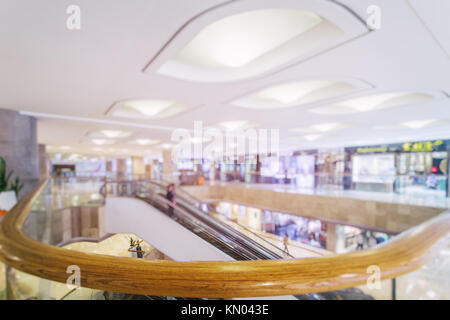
9, 192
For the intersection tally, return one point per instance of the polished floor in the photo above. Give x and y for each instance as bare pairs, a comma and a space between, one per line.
430, 282
296, 250
31, 287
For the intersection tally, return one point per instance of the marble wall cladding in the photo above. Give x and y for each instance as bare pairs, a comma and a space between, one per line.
70, 223
19, 147
393, 217
43, 162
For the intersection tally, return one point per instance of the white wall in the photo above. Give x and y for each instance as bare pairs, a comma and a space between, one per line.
128, 215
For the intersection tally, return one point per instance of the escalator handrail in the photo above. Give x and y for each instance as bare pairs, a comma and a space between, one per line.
240, 241
229, 230
226, 241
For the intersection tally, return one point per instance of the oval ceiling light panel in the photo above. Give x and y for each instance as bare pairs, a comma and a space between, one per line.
151, 109
238, 40
113, 134
244, 39
144, 142
235, 125
374, 102
295, 94
323, 127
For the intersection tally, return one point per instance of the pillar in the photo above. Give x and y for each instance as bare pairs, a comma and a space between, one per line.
212, 172
331, 237
148, 171
109, 166
168, 167
121, 167
43, 162
19, 147
137, 166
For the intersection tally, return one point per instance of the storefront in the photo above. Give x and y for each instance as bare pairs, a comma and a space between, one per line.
349, 238
297, 169
405, 168
331, 172
300, 229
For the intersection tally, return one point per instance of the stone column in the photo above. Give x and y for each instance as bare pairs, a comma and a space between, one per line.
331, 237
109, 166
167, 168
212, 172
121, 167
19, 147
148, 171
43, 162
137, 166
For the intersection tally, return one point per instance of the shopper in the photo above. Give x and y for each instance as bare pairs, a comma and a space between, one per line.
372, 241
359, 241
285, 243
170, 196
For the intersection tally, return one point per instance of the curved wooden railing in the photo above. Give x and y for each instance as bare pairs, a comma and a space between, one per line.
403, 254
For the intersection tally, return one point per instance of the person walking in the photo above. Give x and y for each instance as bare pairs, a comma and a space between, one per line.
285, 243
359, 241
170, 196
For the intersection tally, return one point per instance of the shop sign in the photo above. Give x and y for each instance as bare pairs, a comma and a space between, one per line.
419, 146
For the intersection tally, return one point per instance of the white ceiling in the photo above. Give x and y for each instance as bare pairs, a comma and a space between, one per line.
58, 74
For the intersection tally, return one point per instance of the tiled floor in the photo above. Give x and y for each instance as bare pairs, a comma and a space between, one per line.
2, 282
430, 282
30, 286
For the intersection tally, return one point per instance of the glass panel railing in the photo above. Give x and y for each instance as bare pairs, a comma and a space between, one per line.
47, 226
49, 220
430, 282
2, 282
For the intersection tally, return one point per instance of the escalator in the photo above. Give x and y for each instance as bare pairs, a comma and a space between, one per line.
190, 213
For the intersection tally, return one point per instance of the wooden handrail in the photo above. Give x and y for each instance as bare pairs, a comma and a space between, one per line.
405, 253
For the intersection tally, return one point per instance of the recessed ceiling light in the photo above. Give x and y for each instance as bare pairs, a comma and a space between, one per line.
167, 145
145, 141
154, 109
102, 141
327, 126
417, 124
114, 133
322, 127
199, 139
294, 93
312, 137
374, 102
236, 125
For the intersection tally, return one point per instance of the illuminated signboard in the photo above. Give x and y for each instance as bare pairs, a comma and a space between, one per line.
419, 146
422, 146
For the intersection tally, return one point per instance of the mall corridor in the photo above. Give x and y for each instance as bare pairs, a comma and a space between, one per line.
223, 152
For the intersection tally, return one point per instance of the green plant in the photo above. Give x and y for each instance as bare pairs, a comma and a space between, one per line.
133, 242
15, 186
4, 177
